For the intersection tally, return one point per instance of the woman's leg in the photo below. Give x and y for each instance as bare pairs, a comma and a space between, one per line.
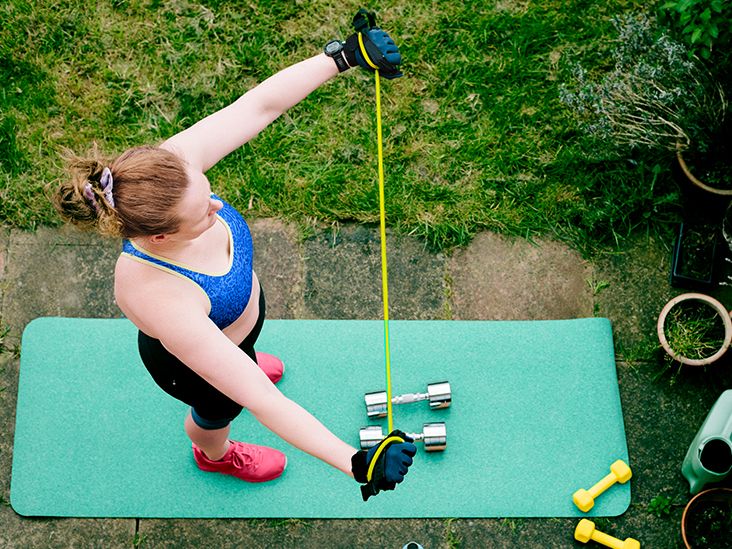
179, 381
212, 442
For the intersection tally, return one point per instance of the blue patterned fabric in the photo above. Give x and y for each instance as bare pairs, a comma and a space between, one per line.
229, 292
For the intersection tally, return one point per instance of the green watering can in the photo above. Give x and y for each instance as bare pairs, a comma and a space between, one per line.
709, 458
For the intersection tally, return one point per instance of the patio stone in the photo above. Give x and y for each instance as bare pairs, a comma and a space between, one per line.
506, 278
343, 276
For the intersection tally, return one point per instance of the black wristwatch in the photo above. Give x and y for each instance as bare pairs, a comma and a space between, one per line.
334, 50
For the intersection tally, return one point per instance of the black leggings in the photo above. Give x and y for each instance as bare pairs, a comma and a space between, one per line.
211, 409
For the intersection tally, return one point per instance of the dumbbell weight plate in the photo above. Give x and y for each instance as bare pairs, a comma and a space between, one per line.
434, 436
440, 395
376, 404
370, 436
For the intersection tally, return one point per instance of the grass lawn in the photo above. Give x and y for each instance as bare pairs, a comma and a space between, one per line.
475, 135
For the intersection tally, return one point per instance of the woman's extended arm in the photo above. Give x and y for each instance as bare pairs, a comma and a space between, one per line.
179, 321
167, 310
209, 140
206, 350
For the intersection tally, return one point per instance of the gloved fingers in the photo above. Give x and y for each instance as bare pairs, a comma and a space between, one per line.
386, 45
381, 38
408, 449
387, 485
394, 478
405, 463
391, 75
403, 457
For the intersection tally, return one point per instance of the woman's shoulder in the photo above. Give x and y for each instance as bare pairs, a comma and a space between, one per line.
137, 277
147, 295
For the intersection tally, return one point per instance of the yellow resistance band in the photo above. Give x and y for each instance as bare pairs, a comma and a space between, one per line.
384, 443
382, 218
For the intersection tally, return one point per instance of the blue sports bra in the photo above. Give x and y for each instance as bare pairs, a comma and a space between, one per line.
227, 292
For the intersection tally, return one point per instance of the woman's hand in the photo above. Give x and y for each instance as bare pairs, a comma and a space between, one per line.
388, 462
380, 50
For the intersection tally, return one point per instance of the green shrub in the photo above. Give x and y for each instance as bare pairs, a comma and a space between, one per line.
706, 25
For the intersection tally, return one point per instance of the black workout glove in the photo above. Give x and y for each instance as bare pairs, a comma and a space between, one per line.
380, 48
393, 457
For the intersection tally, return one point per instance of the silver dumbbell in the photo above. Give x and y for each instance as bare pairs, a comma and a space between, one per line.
438, 394
433, 435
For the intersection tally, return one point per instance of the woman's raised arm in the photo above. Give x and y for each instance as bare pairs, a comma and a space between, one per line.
209, 140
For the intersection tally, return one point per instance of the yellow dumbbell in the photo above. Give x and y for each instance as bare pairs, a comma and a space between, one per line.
585, 499
586, 531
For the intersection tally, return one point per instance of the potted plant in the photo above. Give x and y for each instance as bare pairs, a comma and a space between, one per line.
657, 97
694, 329
707, 519
704, 26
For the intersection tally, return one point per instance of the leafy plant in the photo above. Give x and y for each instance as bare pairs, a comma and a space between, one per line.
660, 506
704, 24
452, 539
596, 286
657, 97
3, 332
694, 330
138, 540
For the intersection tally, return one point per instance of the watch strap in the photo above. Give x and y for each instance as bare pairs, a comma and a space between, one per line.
341, 62
338, 57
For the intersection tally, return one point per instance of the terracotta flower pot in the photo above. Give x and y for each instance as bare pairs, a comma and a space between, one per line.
709, 301
705, 512
690, 176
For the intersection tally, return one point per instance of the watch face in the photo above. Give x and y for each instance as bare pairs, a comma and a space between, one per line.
333, 47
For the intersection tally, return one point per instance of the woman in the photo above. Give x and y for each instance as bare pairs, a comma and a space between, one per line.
185, 277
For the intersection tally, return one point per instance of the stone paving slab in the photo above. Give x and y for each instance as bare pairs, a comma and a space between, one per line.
58, 273
292, 533
507, 278
279, 265
51, 533
637, 288
50, 272
336, 274
343, 276
4, 245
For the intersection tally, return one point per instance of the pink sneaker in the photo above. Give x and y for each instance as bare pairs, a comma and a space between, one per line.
271, 365
248, 462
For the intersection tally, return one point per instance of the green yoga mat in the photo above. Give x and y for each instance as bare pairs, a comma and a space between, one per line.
536, 415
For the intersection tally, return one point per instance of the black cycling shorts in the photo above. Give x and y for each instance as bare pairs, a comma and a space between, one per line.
211, 408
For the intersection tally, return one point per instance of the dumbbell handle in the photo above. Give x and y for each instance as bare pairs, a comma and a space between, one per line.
438, 395
606, 482
416, 437
434, 436
613, 542
608, 540
408, 398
